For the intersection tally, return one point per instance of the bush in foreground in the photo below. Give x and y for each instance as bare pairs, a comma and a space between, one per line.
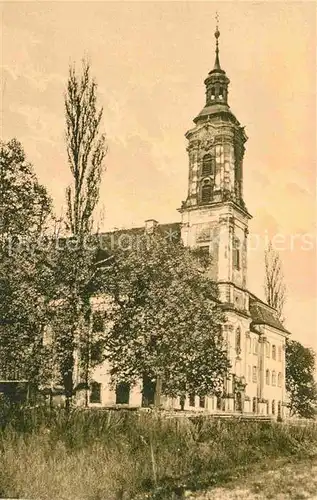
111, 455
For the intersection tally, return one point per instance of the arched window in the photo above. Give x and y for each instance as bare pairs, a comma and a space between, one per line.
236, 253
220, 92
254, 405
206, 191
238, 340
273, 351
254, 374
273, 377
207, 168
273, 407
279, 379
95, 393
267, 377
267, 349
212, 92
255, 346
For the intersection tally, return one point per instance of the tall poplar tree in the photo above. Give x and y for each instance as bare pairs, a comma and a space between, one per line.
75, 261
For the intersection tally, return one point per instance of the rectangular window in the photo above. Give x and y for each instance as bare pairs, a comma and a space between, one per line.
202, 402
95, 393
123, 393
273, 352
279, 380
279, 351
273, 377
254, 374
191, 399
267, 349
267, 377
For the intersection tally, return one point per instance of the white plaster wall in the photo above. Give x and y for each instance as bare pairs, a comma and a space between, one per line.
195, 221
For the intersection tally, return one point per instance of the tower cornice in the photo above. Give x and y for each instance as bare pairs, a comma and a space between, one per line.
220, 204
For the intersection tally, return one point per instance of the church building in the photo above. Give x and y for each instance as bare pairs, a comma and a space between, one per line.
214, 217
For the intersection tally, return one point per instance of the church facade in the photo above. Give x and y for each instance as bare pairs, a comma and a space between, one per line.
214, 217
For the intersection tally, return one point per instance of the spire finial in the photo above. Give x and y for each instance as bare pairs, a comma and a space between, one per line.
217, 35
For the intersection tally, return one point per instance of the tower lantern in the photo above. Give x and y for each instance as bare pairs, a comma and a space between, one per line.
217, 81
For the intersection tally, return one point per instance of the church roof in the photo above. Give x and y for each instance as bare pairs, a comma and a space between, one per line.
116, 237
263, 314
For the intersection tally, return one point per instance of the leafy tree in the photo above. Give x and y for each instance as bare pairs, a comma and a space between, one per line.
25, 214
25, 206
166, 319
275, 289
300, 382
74, 264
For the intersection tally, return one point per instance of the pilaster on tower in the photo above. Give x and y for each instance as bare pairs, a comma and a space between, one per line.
214, 214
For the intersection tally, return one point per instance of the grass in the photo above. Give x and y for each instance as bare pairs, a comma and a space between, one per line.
121, 455
280, 479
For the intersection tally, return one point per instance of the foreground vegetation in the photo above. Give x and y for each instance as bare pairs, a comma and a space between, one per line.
280, 479
111, 455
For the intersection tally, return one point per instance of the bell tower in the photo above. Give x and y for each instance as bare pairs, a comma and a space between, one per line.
214, 214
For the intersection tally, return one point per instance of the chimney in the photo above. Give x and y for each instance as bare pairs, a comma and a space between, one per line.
150, 225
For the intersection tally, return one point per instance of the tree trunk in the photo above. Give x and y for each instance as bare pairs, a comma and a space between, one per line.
158, 392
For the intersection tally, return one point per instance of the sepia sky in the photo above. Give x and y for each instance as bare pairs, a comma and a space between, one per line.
150, 60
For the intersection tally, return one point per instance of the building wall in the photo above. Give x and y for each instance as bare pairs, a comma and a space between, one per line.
219, 228
249, 358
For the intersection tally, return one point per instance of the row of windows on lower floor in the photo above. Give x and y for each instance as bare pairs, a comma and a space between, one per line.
123, 397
